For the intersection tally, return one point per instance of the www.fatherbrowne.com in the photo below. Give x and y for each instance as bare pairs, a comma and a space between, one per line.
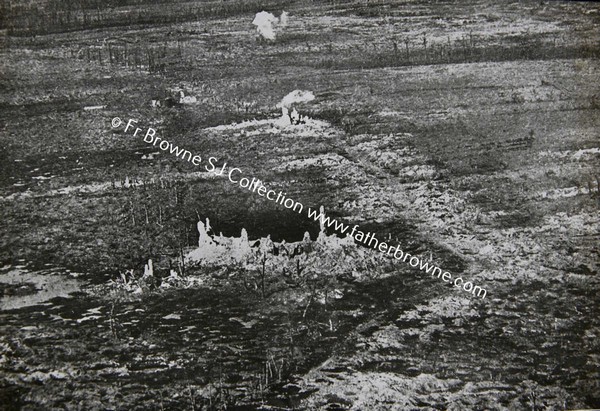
370, 240
256, 186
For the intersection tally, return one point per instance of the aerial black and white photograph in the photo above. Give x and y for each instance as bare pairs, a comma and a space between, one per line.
299, 205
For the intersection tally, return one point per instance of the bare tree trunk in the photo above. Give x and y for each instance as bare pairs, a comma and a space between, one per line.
182, 257
132, 213
262, 277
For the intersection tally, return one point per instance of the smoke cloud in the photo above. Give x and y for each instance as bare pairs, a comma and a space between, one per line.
296, 96
266, 23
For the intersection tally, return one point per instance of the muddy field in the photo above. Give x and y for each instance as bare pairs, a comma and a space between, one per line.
467, 133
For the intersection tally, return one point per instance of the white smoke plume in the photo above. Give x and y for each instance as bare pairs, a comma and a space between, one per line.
266, 23
283, 19
293, 118
296, 96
